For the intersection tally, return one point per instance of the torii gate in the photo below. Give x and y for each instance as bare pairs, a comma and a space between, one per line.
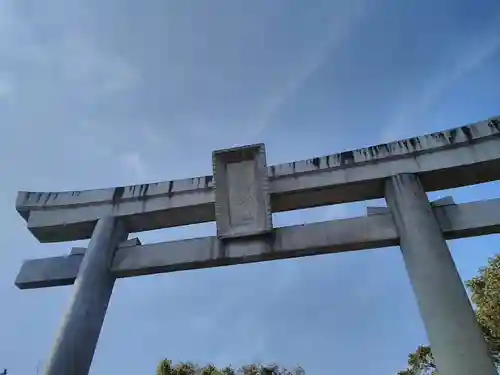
241, 196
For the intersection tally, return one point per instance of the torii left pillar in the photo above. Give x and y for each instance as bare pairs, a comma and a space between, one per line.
77, 339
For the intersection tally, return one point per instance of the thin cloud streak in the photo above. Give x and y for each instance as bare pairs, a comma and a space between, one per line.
342, 27
473, 54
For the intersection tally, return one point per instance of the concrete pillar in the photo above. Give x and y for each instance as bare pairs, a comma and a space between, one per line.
79, 333
454, 335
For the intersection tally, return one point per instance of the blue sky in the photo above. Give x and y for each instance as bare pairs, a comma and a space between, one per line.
97, 94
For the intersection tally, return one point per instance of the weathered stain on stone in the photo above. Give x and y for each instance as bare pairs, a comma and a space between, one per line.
365, 153
316, 162
47, 197
117, 194
346, 158
376, 151
474, 131
208, 180
371, 151
467, 133
143, 192
414, 142
405, 142
334, 160
452, 136
170, 188
494, 124
440, 137
328, 161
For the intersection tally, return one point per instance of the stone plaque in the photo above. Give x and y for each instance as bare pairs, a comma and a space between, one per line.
242, 205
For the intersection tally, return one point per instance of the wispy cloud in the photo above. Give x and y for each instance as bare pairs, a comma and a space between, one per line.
69, 61
6, 87
134, 162
471, 55
84, 65
268, 96
340, 28
63, 74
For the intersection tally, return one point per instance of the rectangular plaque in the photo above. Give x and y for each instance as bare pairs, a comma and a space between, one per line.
242, 204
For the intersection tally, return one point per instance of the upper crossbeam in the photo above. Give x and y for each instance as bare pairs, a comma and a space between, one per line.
458, 157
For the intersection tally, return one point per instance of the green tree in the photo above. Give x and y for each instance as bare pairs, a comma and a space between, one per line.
166, 367
421, 362
485, 295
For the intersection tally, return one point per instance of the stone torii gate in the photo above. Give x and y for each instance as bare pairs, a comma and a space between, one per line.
241, 196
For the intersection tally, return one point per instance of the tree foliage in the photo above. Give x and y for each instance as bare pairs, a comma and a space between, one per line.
421, 362
485, 295
166, 367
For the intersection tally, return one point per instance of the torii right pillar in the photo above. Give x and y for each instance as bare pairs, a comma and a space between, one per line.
454, 335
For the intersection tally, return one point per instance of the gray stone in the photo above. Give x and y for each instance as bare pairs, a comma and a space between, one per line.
456, 221
454, 335
443, 160
374, 210
77, 339
132, 242
242, 204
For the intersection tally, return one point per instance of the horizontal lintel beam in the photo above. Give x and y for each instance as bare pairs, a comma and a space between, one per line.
453, 158
456, 221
